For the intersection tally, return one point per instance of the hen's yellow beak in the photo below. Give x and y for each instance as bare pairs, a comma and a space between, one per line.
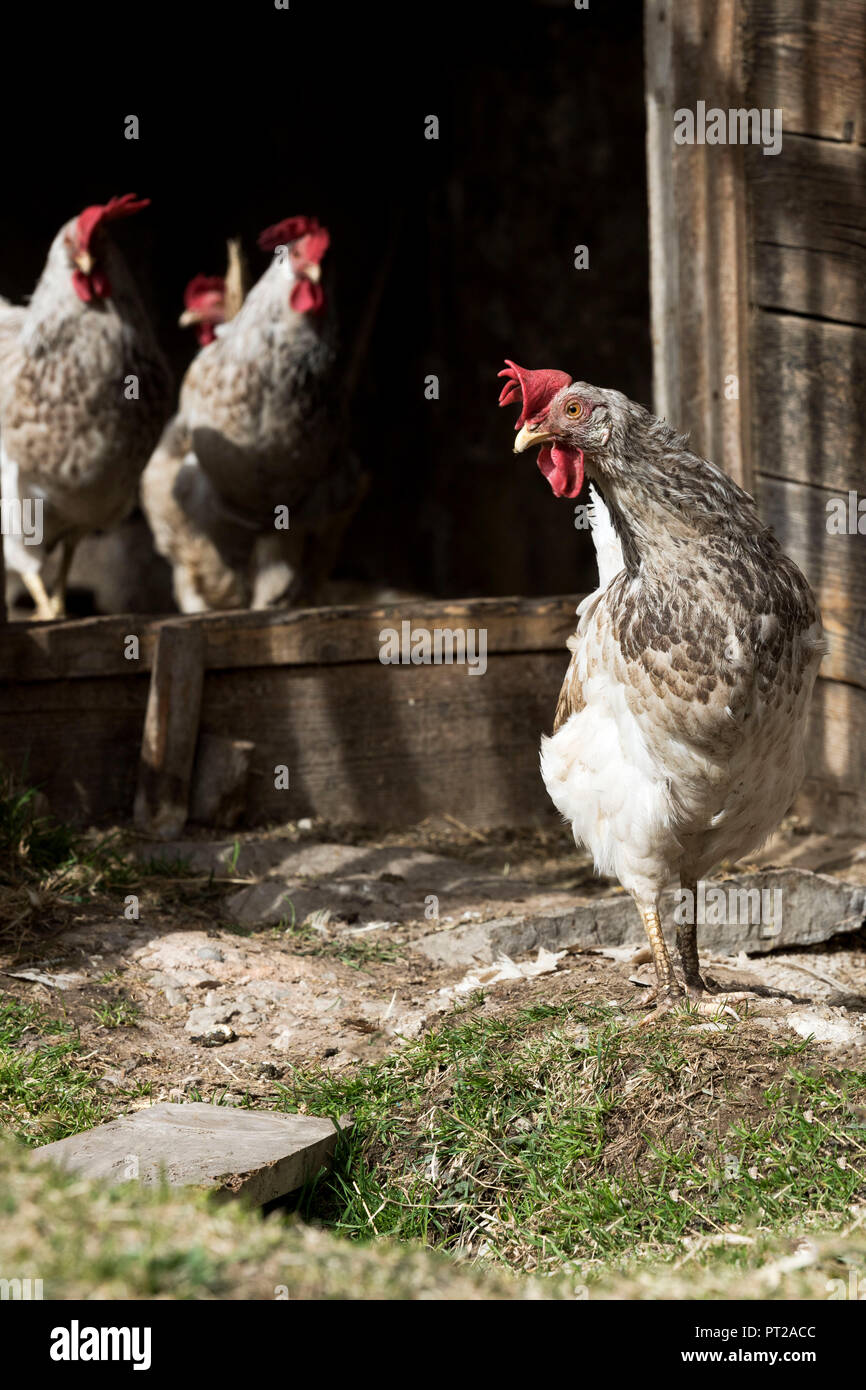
189, 317
84, 262
527, 437
313, 272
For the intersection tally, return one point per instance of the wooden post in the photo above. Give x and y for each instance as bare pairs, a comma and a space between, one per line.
698, 246
170, 730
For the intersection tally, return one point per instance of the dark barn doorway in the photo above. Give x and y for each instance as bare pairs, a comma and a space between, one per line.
540, 150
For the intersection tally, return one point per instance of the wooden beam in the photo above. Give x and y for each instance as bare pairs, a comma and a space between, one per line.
834, 794
99, 646
170, 731
807, 59
698, 260
809, 227
810, 383
833, 564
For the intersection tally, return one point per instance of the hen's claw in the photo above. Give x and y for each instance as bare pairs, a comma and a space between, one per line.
709, 1003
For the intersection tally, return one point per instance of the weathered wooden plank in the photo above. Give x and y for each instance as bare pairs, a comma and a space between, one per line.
79, 648
809, 229
809, 389
835, 566
98, 646
362, 742
807, 59
170, 731
77, 740
218, 793
390, 745
697, 201
367, 743
834, 792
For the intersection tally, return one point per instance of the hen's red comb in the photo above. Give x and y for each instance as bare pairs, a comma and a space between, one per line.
112, 211
203, 287
537, 389
315, 244
285, 232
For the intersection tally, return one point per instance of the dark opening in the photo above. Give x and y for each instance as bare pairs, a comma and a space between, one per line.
541, 149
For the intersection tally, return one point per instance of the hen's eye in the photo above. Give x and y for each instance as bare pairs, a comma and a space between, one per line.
574, 409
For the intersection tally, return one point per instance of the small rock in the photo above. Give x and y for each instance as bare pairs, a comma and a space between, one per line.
159, 980
305, 823
259, 1154
203, 1020
218, 1035
811, 1023
195, 979
330, 1052
249, 1022
268, 1072
174, 997
209, 953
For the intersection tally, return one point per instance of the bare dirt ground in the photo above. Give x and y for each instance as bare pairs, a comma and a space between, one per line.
253, 955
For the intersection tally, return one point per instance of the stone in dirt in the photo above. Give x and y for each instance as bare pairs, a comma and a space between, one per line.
814, 907
260, 1154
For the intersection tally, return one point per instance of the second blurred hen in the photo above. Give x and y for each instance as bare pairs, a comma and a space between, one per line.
251, 485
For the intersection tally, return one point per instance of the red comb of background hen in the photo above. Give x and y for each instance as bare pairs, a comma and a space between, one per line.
100, 213
537, 389
285, 232
315, 244
202, 288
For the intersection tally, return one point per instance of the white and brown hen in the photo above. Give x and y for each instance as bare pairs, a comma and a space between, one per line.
190, 528
84, 392
678, 738
261, 425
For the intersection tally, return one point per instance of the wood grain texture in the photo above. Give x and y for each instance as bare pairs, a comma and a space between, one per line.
170, 731
809, 389
697, 198
807, 59
834, 792
363, 742
77, 740
835, 566
809, 229
96, 646
390, 745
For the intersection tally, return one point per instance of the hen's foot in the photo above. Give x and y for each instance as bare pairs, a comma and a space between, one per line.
693, 999
669, 999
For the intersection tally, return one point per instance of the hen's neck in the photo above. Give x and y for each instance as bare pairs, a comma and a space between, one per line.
667, 503
55, 311
267, 317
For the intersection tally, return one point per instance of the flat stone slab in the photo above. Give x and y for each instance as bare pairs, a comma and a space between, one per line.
811, 907
260, 1154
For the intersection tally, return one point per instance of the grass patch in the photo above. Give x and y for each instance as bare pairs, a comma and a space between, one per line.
557, 1139
87, 1240
45, 1091
47, 870
118, 1013
312, 937
91, 1241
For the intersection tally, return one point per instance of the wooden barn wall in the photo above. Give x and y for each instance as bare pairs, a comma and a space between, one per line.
364, 742
758, 273
807, 295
